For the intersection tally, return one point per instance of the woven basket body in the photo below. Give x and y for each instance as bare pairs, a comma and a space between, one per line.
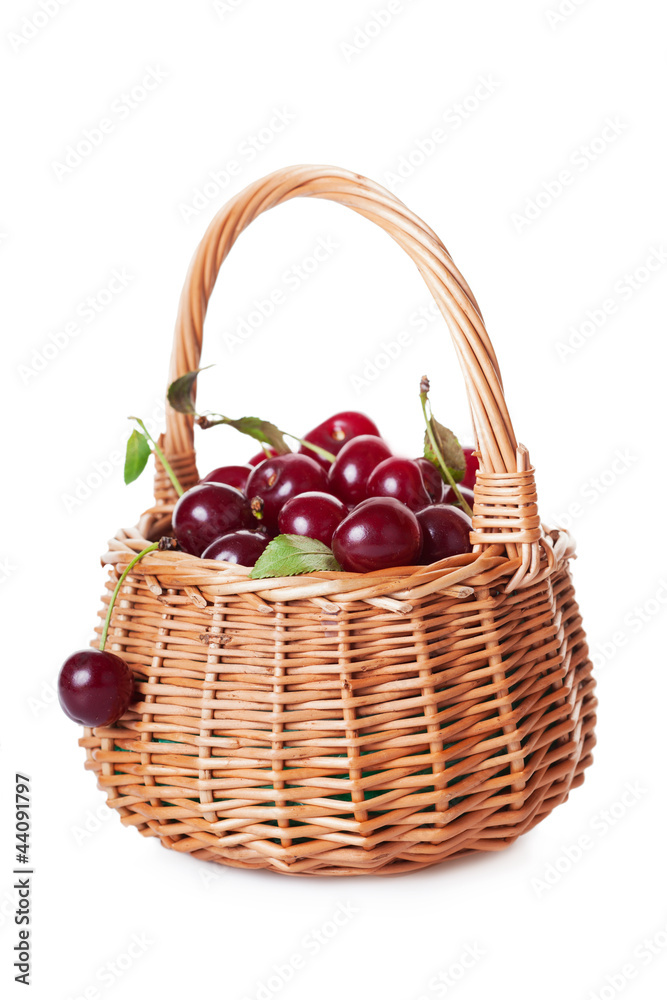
339, 723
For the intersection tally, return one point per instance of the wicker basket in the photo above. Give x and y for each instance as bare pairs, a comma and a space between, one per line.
340, 723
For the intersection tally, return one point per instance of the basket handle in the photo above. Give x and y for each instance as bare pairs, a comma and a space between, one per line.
505, 481
493, 427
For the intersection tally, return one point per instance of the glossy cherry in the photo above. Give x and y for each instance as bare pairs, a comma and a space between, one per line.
316, 515
335, 432
472, 465
379, 533
207, 511
400, 478
445, 530
95, 687
277, 480
242, 547
229, 475
433, 482
356, 460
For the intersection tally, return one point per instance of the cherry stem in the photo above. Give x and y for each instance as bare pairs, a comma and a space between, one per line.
206, 422
163, 459
322, 452
426, 406
121, 581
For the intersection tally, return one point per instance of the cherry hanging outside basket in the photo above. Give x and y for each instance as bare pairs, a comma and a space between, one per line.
347, 723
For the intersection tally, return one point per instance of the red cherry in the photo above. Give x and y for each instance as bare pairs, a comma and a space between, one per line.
230, 475
379, 533
316, 515
207, 511
261, 457
95, 687
356, 460
400, 478
433, 481
446, 532
333, 433
277, 480
472, 465
242, 547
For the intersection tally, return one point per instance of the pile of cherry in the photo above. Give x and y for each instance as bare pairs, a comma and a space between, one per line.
373, 509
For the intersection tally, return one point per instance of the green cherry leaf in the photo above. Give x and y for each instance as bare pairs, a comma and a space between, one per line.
290, 555
451, 450
180, 392
136, 456
261, 430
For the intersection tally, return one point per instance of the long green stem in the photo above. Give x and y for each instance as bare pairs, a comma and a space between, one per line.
438, 454
163, 459
205, 422
121, 581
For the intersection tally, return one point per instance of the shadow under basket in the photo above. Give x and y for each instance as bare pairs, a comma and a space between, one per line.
346, 723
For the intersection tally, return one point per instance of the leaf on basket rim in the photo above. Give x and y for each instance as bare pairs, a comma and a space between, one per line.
137, 453
452, 452
291, 555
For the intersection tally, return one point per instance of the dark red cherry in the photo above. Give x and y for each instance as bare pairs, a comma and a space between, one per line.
435, 487
356, 460
450, 495
207, 511
316, 515
242, 547
95, 687
379, 533
400, 478
472, 465
446, 532
333, 433
277, 480
261, 457
230, 475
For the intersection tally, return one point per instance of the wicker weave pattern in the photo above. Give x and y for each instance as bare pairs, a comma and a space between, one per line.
343, 723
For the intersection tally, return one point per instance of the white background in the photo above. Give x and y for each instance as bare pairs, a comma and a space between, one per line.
359, 96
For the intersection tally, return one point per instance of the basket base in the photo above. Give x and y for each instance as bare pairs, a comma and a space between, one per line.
401, 857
